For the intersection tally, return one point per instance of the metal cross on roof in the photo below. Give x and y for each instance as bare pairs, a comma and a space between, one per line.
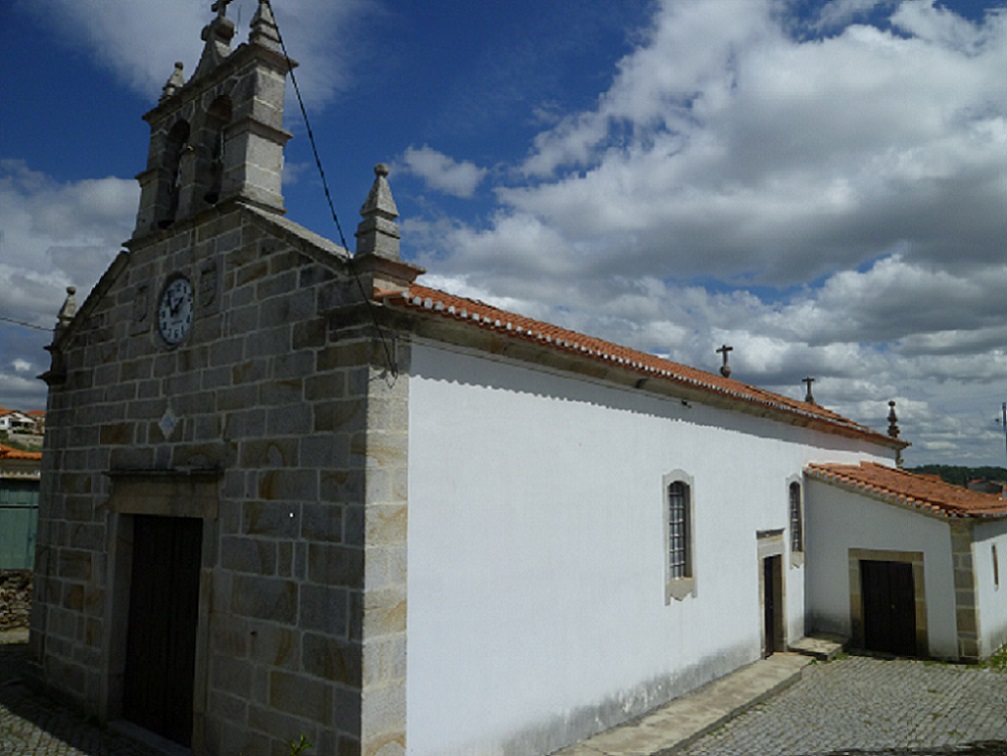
220, 7
725, 369
809, 398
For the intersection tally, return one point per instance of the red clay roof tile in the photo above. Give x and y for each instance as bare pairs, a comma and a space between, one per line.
478, 314
909, 489
8, 452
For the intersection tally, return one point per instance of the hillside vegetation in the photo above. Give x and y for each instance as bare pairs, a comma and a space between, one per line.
959, 475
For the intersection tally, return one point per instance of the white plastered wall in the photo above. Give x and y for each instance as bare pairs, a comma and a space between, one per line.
991, 597
537, 611
839, 520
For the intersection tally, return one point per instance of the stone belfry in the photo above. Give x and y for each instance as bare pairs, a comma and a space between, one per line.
218, 136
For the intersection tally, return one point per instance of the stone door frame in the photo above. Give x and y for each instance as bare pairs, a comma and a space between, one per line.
770, 545
188, 493
915, 558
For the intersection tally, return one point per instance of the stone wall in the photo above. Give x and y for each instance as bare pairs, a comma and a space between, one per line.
15, 598
966, 603
281, 397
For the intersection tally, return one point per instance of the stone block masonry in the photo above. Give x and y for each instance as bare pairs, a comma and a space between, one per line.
276, 422
15, 598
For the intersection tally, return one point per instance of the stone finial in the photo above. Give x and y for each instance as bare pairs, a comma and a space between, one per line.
725, 369
218, 35
808, 397
175, 82
893, 420
264, 30
68, 310
378, 233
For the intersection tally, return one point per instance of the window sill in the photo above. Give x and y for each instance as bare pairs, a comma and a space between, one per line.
679, 589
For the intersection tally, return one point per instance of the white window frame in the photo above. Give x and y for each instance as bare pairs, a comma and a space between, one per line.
796, 555
680, 586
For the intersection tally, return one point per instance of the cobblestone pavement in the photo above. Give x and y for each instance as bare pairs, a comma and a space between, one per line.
32, 725
862, 706
856, 706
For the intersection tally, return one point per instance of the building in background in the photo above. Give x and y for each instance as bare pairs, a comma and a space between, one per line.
19, 495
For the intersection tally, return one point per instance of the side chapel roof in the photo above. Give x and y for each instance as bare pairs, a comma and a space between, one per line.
475, 314
922, 492
9, 452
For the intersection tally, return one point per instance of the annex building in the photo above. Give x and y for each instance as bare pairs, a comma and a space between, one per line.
287, 488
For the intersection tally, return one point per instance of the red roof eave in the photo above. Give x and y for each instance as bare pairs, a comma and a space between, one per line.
8, 452
896, 486
434, 303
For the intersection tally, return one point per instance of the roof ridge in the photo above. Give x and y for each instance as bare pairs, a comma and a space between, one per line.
914, 490
516, 325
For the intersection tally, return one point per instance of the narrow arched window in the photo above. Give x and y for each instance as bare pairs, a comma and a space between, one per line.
996, 568
218, 115
679, 558
171, 187
796, 521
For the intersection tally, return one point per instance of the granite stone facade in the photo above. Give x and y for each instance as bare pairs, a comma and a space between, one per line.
277, 421
274, 422
248, 422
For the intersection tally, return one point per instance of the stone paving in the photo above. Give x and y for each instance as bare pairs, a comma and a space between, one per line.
868, 706
855, 706
32, 725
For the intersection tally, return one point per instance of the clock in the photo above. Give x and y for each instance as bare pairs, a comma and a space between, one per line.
174, 311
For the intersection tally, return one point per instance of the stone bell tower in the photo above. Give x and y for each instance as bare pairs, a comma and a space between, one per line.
218, 136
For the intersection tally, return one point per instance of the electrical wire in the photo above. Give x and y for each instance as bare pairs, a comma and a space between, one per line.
22, 323
392, 367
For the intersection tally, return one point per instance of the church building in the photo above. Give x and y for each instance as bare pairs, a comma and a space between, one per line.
289, 489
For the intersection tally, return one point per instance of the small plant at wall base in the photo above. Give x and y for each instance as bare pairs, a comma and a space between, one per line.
302, 745
998, 660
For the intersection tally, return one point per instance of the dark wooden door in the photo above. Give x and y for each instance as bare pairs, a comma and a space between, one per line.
163, 611
772, 604
889, 598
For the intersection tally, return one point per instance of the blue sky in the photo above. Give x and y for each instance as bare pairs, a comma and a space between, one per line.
822, 185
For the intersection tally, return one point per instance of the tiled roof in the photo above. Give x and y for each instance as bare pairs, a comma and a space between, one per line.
474, 313
8, 452
908, 489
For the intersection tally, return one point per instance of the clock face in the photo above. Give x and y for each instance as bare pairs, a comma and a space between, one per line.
174, 313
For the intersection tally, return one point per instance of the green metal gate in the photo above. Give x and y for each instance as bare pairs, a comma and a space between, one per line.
18, 523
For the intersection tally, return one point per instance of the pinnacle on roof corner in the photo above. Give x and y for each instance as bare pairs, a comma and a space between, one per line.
264, 30
378, 233
893, 420
68, 310
175, 82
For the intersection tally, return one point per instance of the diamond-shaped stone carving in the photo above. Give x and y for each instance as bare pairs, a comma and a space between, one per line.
167, 423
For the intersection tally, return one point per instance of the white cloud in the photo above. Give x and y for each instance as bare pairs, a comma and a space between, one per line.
859, 180
443, 173
21, 392
52, 235
932, 23
120, 36
55, 235
837, 13
725, 147
828, 206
